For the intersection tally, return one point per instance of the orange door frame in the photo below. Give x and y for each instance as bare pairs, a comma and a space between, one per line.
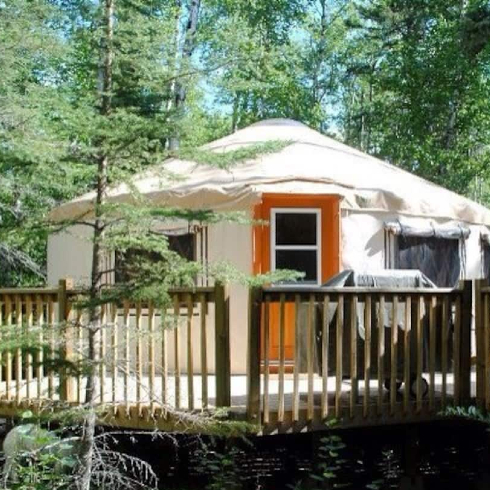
330, 226
330, 252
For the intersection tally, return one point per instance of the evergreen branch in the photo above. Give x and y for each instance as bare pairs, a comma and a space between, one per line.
231, 158
18, 260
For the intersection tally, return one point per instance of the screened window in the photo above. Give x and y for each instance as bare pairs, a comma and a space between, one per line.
183, 244
295, 242
438, 258
485, 260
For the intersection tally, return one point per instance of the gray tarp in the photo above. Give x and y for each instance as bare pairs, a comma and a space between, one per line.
402, 279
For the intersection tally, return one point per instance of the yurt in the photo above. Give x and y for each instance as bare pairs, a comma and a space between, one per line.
324, 207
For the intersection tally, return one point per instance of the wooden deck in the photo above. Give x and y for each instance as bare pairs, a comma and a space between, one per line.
165, 369
121, 398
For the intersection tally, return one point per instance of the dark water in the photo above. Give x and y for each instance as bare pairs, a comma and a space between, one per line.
436, 456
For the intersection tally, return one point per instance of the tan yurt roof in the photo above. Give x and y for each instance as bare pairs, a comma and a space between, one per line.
311, 164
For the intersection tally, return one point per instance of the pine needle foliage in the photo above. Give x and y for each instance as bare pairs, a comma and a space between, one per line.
229, 159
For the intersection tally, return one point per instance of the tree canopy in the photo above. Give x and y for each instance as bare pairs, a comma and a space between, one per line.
404, 80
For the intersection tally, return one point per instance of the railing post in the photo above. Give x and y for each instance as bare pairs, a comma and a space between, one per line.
480, 342
465, 346
253, 355
67, 390
222, 341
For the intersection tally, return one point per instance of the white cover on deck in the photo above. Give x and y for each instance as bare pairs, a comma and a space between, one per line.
312, 164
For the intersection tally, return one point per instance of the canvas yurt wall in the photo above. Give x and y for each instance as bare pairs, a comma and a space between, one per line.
365, 247
70, 255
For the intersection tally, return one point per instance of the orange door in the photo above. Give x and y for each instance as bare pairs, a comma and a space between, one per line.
271, 254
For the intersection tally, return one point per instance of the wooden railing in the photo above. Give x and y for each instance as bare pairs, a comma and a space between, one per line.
482, 340
354, 349
149, 361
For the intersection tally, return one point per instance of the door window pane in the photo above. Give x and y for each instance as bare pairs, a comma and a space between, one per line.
299, 260
296, 228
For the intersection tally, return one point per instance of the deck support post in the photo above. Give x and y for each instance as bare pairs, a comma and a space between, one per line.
253, 355
67, 388
480, 342
465, 346
222, 339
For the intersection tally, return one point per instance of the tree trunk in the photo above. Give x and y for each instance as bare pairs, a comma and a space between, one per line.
236, 113
172, 142
188, 49
105, 88
320, 52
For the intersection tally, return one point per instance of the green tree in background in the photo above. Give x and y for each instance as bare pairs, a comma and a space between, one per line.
406, 81
33, 176
415, 92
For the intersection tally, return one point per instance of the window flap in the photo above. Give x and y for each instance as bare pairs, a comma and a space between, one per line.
453, 232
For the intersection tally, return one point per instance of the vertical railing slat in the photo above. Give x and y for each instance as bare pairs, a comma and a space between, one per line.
204, 352
406, 354
394, 355
8, 356
38, 359
367, 355
282, 356
151, 356
115, 356
176, 350
164, 368
432, 352
127, 365
64, 337
325, 359
456, 352
79, 348
486, 345
338, 359
310, 349
420, 341
28, 327
466, 288
381, 351
297, 355
102, 351
444, 349
354, 388
139, 358
2, 325
266, 354
52, 333
18, 351
190, 357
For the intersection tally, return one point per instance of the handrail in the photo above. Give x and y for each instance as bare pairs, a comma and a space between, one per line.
72, 291
34, 290
357, 290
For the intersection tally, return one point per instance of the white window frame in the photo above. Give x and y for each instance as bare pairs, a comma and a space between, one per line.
391, 249
317, 247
